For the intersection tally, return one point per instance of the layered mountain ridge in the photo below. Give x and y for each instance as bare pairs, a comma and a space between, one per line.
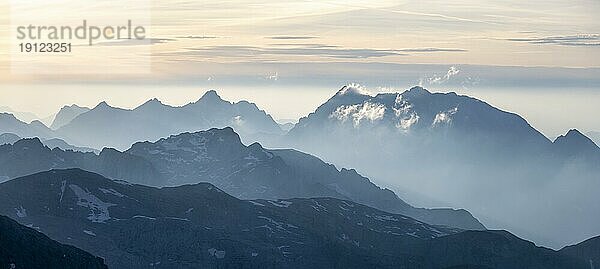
159, 120
463, 152
219, 157
134, 226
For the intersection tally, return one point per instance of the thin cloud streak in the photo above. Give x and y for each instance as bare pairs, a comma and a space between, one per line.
591, 40
310, 50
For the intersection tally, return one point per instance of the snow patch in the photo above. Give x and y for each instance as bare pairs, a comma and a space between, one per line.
256, 203
98, 209
281, 203
21, 212
111, 191
219, 254
385, 218
143, 217
62, 190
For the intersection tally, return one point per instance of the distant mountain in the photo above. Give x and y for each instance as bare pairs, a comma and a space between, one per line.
59, 143
23, 247
28, 156
22, 116
153, 120
219, 157
8, 138
10, 124
574, 144
66, 115
588, 250
134, 226
458, 150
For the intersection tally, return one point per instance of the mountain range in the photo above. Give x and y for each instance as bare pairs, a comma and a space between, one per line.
135, 226
9, 138
66, 114
433, 149
153, 120
218, 156
10, 124
461, 152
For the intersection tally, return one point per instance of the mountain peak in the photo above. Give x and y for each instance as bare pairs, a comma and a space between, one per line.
417, 91
574, 133
353, 89
26, 142
7, 116
103, 104
211, 95
154, 102
38, 123
73, 106
575, 141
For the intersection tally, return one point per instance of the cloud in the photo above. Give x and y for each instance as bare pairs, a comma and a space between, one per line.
273, 76
367, 111
403, 111
245, 51
444, 117
135, 42
354, 88
292, 37
197, 37
432, 50
567, 40
453, 71
303, 50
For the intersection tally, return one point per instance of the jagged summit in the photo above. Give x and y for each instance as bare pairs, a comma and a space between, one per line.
353, 89
152, 103
574, 142
67, 114
7, 116
28, 142
102, 105
417, 91
211, 95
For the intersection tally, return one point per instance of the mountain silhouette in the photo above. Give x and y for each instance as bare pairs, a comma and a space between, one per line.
153, 120
219, 157
134, 226
66, 115
461, 151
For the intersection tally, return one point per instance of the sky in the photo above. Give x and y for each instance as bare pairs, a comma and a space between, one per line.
512, 53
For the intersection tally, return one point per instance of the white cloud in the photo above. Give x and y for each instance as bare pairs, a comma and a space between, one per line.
453, 71
402, 110
444, 117
273, 76
366, 111
354, 88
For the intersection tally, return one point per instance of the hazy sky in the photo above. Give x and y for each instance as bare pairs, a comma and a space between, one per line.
305, 50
